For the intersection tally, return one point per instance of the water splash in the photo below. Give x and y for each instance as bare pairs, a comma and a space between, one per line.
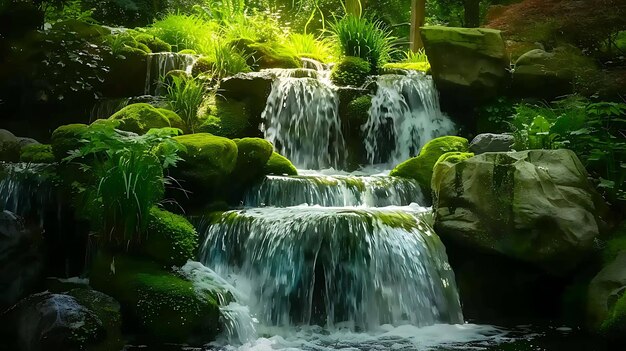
336, 190
301, 119
405, 114
159, 64
366, 267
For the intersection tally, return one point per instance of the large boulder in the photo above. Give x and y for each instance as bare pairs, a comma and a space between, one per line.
534, 206
253, 154
280, 165
21, 259
9, 146
171, 240
467, 64
489, 142
78, 320
140, 118
542, 74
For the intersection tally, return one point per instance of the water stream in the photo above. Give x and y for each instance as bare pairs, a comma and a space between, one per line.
159, 64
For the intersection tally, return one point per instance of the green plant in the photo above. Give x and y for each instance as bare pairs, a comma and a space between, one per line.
186, 32
364, 38
70, 10
307, 45
185, 95
128, 173
351, 71
229, 60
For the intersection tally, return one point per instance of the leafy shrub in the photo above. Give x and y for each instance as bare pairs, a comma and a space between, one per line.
363, 38
351, 71
129, 179
185, 95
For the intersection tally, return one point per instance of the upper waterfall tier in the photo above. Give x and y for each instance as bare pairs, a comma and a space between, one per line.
405, 115
336, 190
326, 265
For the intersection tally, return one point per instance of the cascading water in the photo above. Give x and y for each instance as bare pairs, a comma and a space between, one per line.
301, 119
405, 114
26, 188
159, 64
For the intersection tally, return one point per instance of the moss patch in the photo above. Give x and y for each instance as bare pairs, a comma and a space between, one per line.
358, 110
174, 119
67, 138
352, 71
203, 65
280, 165
420, 168
253, 155
408, 66
37, 153
170, 240
153, 43
140, 118
228, 118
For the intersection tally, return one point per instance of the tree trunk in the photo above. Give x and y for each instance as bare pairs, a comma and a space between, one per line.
472, 13
418, 18
353, 7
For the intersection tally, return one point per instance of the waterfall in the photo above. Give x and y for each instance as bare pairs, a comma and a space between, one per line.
337, 190
27, 188
405, 114
301, 119
159, 64
365, 267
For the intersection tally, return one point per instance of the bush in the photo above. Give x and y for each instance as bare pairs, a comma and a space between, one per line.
67, 138
363, 38
186, 32
351, 71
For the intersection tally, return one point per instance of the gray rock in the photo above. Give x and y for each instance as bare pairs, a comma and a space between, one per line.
534, 206
21, 259
542, 74
605, 289
23, 141
488, 142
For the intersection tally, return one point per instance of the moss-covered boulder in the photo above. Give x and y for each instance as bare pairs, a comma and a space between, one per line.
351, 71
420, 168
266, 55
207, 162
67, 138
203, 65
229, 118
170, 238
253, 155
153, 43
535, 206
175, 120
37, 153
467, 64
453, 157
280, 165
140, 118
157, 304
9, 146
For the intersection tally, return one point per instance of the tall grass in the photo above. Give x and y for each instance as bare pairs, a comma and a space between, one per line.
228, 60
307, 45
185, 95
415, 57
185, 32
364, 38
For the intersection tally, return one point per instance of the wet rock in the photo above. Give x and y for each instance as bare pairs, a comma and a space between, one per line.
489, 142
9, 146
533, 206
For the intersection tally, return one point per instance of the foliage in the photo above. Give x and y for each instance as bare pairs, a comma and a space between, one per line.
363, 38
596, 132
185, 95
417, 61
129, 173
186, 32
307, 45
351, 71
153, 43
37, 153
228, 60
71, 10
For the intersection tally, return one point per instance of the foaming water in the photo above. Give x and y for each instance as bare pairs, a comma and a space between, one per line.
27, 188
159, 64
328, 265
301, 119
405, 114
335, 190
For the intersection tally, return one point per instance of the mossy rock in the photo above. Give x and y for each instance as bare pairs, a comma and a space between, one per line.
9, 146
37, 153
175, 120
170, 238
420, 168
81, 28
67, 138
253, 155
163, 306
204, 65
266, 55
187, 52
280, 165
406, 66
351, 71
207, 161
454, 157
140, 118
358, 111
153, 43
130, 52
226, 117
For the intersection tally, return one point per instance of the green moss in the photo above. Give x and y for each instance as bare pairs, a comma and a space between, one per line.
175, 120
82, 29
160, 304
267, 55
155, 44
454, 157
129, 52
358, 110
140, 118
487, 41
397, 220
351, 71
203, 65
614, 325
227, 118
253, 155
188, 52
37, 153
420, 168
615, 245
408, 66
280, 165
207, 160
67, 138
170, 239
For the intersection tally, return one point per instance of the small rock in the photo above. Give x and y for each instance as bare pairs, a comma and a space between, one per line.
488, 142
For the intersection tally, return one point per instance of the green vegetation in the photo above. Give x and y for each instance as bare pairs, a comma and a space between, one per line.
414, 61
37, 153
253, 154
170, 238
280, 165
226, 118
352, 71
140, 118
454, 157
67, 138
153, 43
358, 110
309, 46
185, 96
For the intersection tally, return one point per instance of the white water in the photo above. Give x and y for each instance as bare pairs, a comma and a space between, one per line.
405, 114
27, 188
159, 64
301, 119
